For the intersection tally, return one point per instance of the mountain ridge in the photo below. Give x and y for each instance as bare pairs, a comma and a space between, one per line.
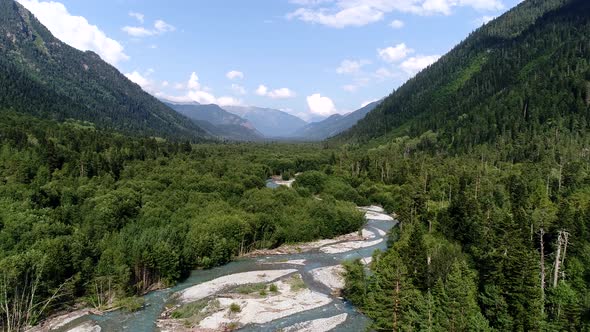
218, 122
474, 94
334, 124
270, 122
42, 76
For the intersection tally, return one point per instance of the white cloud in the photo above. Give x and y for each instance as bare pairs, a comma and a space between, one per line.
76, 30
351, 66
138, 31
282, 93
143, 80
415, 64
160, 27
163, 27
344, 13
262, 90
397, 24
196, 92
138, 16
193, 82
395, 53
357, 16
319, 105
234, 74
483, 20
238, 89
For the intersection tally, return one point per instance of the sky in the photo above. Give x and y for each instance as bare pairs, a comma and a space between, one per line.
311, 58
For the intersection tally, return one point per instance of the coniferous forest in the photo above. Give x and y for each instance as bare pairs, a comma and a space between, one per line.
484, 157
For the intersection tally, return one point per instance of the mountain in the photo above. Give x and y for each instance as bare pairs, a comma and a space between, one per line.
218, 122
42, 76
334, 124
270, 122
521, 80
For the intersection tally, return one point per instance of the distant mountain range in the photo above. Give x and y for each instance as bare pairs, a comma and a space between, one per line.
42, 76
218, 122
334, 124
257, 123
270, 122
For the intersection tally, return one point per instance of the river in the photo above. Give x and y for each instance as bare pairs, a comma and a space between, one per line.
155, 302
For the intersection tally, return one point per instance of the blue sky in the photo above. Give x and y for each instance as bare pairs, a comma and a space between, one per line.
312, 58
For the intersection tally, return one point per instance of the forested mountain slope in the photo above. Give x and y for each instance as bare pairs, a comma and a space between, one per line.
270, 122
517, 79
219, 122
334, 124
485, 157
45, 77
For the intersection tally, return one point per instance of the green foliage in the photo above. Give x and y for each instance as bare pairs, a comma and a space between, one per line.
235, 308
250, 288
44, 77
312, 180
273, 288
296, 283
117, 216
130, 304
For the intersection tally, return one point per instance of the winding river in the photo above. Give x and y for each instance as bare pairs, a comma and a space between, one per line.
377, 226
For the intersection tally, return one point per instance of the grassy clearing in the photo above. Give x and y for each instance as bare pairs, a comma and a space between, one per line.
297, 283
251, 288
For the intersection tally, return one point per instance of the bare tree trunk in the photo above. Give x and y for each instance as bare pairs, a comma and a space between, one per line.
566, 236
560, 175
557, 259
542, 243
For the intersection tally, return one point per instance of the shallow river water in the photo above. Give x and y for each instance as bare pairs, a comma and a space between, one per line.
155, 302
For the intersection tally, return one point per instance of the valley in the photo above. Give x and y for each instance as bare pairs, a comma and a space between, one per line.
459, 200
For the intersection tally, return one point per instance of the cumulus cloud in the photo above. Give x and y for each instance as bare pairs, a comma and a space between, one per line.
160, 27
319, 105
351, 66
483, 20
345, 13
138, 16
142, 80
395, 53
76, 30
194, 91
261, 90
282, 93
397, 24
415, 64
234, 74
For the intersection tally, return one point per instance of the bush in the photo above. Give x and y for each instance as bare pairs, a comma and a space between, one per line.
235, 308
312, 180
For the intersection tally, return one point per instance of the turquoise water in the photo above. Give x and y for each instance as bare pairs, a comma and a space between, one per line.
155, 302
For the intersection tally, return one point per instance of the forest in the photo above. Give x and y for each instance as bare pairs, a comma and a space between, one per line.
484, 157
97, 217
